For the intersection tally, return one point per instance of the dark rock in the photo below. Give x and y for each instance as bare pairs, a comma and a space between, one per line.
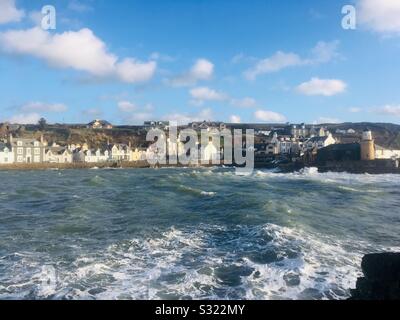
292, 280
384, 267
231, 275
265, 257
382, 278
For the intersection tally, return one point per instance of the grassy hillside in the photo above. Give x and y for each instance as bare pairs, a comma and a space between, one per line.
72, 135
385, 134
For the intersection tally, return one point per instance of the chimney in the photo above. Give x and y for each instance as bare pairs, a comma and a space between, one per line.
41, 139
11, 138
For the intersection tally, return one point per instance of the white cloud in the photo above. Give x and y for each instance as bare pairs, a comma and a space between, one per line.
238, 58
278, 61
80, 50
139, 117
324, 120
244, 103
393, 110
126, 106
161, 57
185, 118
35, 17
355, 110
25, 118
235, 119
207, 94
202, 70
79, 6
9, 12
324, 87
380, 15
323, 52
269, 116
201, 94
135, 114
93, 112
44, 107
132, 71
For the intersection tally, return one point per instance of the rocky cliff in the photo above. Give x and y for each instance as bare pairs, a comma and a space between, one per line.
381, 279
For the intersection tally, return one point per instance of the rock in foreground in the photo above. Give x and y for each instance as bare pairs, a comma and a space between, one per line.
381, 278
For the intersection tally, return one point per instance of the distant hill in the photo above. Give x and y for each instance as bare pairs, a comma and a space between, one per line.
386, 134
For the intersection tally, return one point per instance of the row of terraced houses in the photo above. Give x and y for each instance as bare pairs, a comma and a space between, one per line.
26, 151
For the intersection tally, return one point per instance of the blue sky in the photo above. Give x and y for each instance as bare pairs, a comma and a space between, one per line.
185, 60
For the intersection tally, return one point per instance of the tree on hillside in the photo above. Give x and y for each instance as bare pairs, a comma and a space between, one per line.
42, 123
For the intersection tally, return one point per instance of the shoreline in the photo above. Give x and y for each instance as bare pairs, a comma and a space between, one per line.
71, 166
146, 165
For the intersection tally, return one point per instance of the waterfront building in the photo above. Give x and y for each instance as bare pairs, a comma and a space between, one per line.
91, 155
28, 150
120, 152
6, 154
138, 154
211, 153
384, 153
57, 154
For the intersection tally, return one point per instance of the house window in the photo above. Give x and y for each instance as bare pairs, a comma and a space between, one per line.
37, 151
28, 151
36, 159
20, 151
20, 159
19, 143
36, 143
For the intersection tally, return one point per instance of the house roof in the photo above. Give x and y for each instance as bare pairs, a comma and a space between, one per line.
26, 142
101, 122
58, 150
317, 139
4, 146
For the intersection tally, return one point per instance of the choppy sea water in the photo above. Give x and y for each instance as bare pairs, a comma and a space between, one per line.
191, 233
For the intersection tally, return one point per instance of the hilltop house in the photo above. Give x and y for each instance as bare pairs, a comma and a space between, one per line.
28, 150
206, 125
162, 125
6, 154
99, 124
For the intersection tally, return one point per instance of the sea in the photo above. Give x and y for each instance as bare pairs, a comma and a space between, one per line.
191, 233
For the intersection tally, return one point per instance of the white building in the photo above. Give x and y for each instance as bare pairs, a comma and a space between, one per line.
28, 150
58, 154
96, 156
383, 153
211, 153
120, 152
319, 142
6, 154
